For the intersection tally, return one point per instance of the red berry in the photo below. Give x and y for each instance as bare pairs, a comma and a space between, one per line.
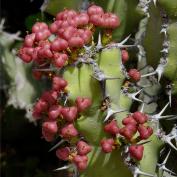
124, 55
129, 120
83, 103
128, 131
76, 41
111, 20
80, 161
107, 145
145, 132
69, 32
83, 148
140, 117
29, 40
54, 112
48, 136
59, 44
58, 83
38, 26
82, 19
112, 127
136, 151
134, 74
50, 97
69, 113
97, 20
63, 153
25, 54
60, 59
41, 106
50, 127
69, 131
93, 10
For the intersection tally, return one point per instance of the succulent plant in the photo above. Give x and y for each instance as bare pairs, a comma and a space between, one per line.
96, 75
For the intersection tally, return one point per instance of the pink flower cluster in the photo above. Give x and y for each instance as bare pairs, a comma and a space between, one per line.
132, 124
70, 30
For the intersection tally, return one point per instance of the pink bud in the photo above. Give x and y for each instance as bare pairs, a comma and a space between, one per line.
38, 26
145, 132
141, 118
81, 162
134, 74
136, 151
83, 103
63, 153
60, 59
69, 131
50, 97
93, 10
83, 148
112, 127
50, 127
59, 44
129, 120
54, 112
41, 106
69, 113
29, 40
124, 55
107, 145
58, 83
76, 41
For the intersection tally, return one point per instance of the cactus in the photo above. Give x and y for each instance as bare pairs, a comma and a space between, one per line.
93, 85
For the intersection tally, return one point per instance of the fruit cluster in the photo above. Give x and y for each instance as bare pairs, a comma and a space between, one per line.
70, 31
132, 124
53, 47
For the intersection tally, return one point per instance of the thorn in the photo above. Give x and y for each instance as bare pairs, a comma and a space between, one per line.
63, 168
158, 116
142, 108
121, 44
162, 165
58, 144
133, 96
125, 40
149, 74
99, 44
155, 2
111, 112
136, 172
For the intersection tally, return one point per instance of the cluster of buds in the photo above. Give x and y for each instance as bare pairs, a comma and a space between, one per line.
58, 120
133, 131
71, 31
77, 155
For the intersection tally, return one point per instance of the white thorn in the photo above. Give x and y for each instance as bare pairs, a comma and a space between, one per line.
166, 158
142, 108
63, 168
160, 70
133, 96
158, 116
149, 74
136, 172
125, 40
99, 44
58, 144
162, 111
155, 2
111, 112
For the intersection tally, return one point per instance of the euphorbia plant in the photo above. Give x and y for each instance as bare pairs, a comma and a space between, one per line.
92, 88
